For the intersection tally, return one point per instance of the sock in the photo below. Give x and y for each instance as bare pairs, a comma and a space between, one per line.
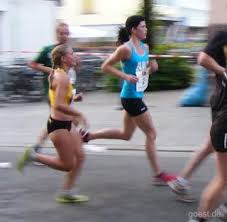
66, 192
69, 192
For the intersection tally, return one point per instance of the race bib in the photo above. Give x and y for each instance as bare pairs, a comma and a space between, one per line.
143, 79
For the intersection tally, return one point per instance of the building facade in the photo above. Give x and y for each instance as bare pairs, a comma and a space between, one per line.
107, 16
218, 19
25, 26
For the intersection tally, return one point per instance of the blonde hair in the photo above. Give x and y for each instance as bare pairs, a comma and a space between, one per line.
57, 53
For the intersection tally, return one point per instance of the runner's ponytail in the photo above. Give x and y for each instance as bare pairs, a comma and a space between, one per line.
123, 36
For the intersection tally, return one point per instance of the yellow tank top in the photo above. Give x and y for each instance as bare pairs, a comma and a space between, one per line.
68, 96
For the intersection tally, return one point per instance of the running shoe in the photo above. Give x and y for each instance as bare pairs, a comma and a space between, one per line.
186, 198
24, 159
193, 220
197, 220
222, 211
84, 135
163, 179
179, 185
37, 149
36, 163
68, 198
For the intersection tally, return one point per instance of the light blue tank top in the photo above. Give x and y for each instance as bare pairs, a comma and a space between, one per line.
130, 66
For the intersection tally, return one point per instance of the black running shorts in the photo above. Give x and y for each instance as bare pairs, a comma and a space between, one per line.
133, 107
53, 124
218, 130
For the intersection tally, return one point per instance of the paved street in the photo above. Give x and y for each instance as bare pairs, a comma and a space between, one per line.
118, 184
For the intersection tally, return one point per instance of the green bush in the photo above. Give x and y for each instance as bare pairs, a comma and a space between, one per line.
173, 73
112, 83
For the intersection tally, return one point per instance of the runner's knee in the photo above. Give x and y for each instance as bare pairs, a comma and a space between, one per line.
126, 136
68, 166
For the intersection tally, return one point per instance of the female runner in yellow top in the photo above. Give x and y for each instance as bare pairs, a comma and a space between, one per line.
67, 143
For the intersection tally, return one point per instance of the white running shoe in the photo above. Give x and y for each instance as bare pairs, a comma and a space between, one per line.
179, 186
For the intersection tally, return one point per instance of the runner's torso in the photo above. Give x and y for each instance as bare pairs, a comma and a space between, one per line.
137, 63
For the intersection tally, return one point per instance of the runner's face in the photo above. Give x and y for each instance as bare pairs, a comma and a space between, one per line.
69, 58
140, 31
62, 34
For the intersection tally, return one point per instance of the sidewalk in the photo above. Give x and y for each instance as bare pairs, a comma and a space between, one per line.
178, 128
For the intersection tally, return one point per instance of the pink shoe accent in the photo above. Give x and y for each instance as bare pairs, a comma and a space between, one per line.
167, 177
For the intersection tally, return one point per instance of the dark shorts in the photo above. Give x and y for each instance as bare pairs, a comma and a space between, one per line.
218, 132
53, 124
133, 107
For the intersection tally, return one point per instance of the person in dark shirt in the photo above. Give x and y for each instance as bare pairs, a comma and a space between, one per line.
213, 58
43, 64
216, 50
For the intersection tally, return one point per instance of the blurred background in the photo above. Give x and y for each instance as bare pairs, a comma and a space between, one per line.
178, 30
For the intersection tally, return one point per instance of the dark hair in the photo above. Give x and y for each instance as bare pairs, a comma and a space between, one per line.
123, 36
124, 32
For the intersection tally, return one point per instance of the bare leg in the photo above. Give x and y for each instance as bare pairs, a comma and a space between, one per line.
41, 139
70, 154
214, 191
66, 158
70, 159
79, 160
122, 134
145, 123
197, 159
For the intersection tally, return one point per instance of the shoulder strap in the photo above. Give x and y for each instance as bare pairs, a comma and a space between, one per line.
144, 47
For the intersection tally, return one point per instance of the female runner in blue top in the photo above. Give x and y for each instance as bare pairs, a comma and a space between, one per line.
136, 67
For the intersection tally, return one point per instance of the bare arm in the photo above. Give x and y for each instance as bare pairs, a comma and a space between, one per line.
39, 67
153, 66
78, 63
120, 54
209, 63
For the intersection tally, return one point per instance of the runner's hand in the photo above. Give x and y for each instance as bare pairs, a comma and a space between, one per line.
84, 122
152, 66
81, 120
78, 97
131, 78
